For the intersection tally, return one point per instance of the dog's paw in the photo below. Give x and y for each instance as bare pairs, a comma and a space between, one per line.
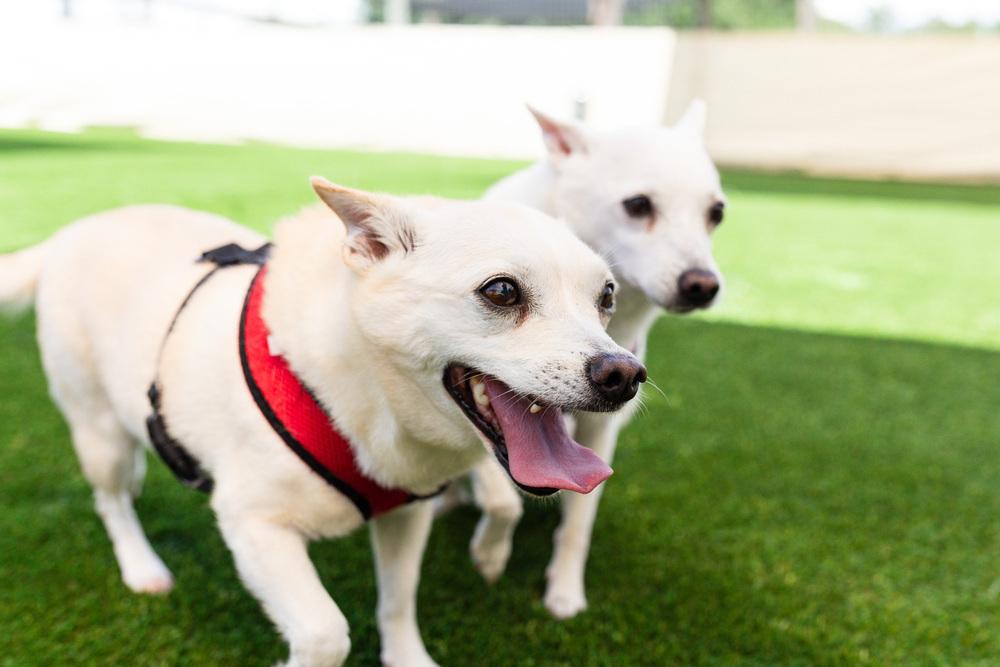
415, 659
491, 545
151, 577
490, 560
564, 604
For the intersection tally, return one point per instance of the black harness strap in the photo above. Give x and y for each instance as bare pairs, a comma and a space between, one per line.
184, 466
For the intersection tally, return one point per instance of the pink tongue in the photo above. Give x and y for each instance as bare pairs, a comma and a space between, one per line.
539, 449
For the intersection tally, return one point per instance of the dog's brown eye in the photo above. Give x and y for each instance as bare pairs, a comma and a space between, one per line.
716, 212
638, 207
502, 292
608, 298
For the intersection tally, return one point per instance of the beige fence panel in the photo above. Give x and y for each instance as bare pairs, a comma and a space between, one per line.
924, 107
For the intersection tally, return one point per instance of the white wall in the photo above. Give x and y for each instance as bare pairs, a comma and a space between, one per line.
909, 107
301, 12
440, 89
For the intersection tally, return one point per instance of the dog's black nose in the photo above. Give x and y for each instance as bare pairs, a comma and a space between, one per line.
697, 287
616, 377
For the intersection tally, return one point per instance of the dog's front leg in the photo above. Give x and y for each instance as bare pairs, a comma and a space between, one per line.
274, 565
398, 540
502, 509
565, 596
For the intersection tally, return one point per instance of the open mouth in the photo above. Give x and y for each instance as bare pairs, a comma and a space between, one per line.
529, 438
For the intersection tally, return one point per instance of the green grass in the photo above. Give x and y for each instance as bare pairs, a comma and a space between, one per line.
48, 180
817, 484
924, 269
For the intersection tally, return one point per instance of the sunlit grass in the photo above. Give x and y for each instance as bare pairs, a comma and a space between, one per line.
902, 268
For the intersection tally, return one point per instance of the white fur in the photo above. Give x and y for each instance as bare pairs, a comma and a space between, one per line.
19, 278
369, 319
587, 176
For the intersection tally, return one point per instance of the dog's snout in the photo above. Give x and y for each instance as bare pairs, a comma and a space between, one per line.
697, 286
616, 377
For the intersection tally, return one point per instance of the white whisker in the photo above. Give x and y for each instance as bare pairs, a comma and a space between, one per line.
657, 388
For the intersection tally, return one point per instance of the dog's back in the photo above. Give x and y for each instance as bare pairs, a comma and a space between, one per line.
107, 282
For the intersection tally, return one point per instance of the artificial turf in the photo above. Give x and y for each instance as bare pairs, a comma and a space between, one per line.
814, 482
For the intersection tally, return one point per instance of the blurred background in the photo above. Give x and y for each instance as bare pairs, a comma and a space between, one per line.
885, 88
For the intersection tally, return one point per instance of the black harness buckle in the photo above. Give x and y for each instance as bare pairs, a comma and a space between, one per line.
235, 255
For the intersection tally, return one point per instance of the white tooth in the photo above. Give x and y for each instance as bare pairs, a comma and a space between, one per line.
535, 407
479, 391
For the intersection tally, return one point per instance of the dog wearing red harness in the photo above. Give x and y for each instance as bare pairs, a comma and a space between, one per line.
341, 375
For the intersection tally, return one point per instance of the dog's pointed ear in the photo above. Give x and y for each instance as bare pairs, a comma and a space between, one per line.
561, 139
377, 225
692, 123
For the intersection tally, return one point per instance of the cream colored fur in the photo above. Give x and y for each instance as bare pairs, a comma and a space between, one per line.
585, 180
19, 278
368, 318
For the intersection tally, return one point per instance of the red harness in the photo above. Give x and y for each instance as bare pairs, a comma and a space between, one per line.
288, 405
298, 418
